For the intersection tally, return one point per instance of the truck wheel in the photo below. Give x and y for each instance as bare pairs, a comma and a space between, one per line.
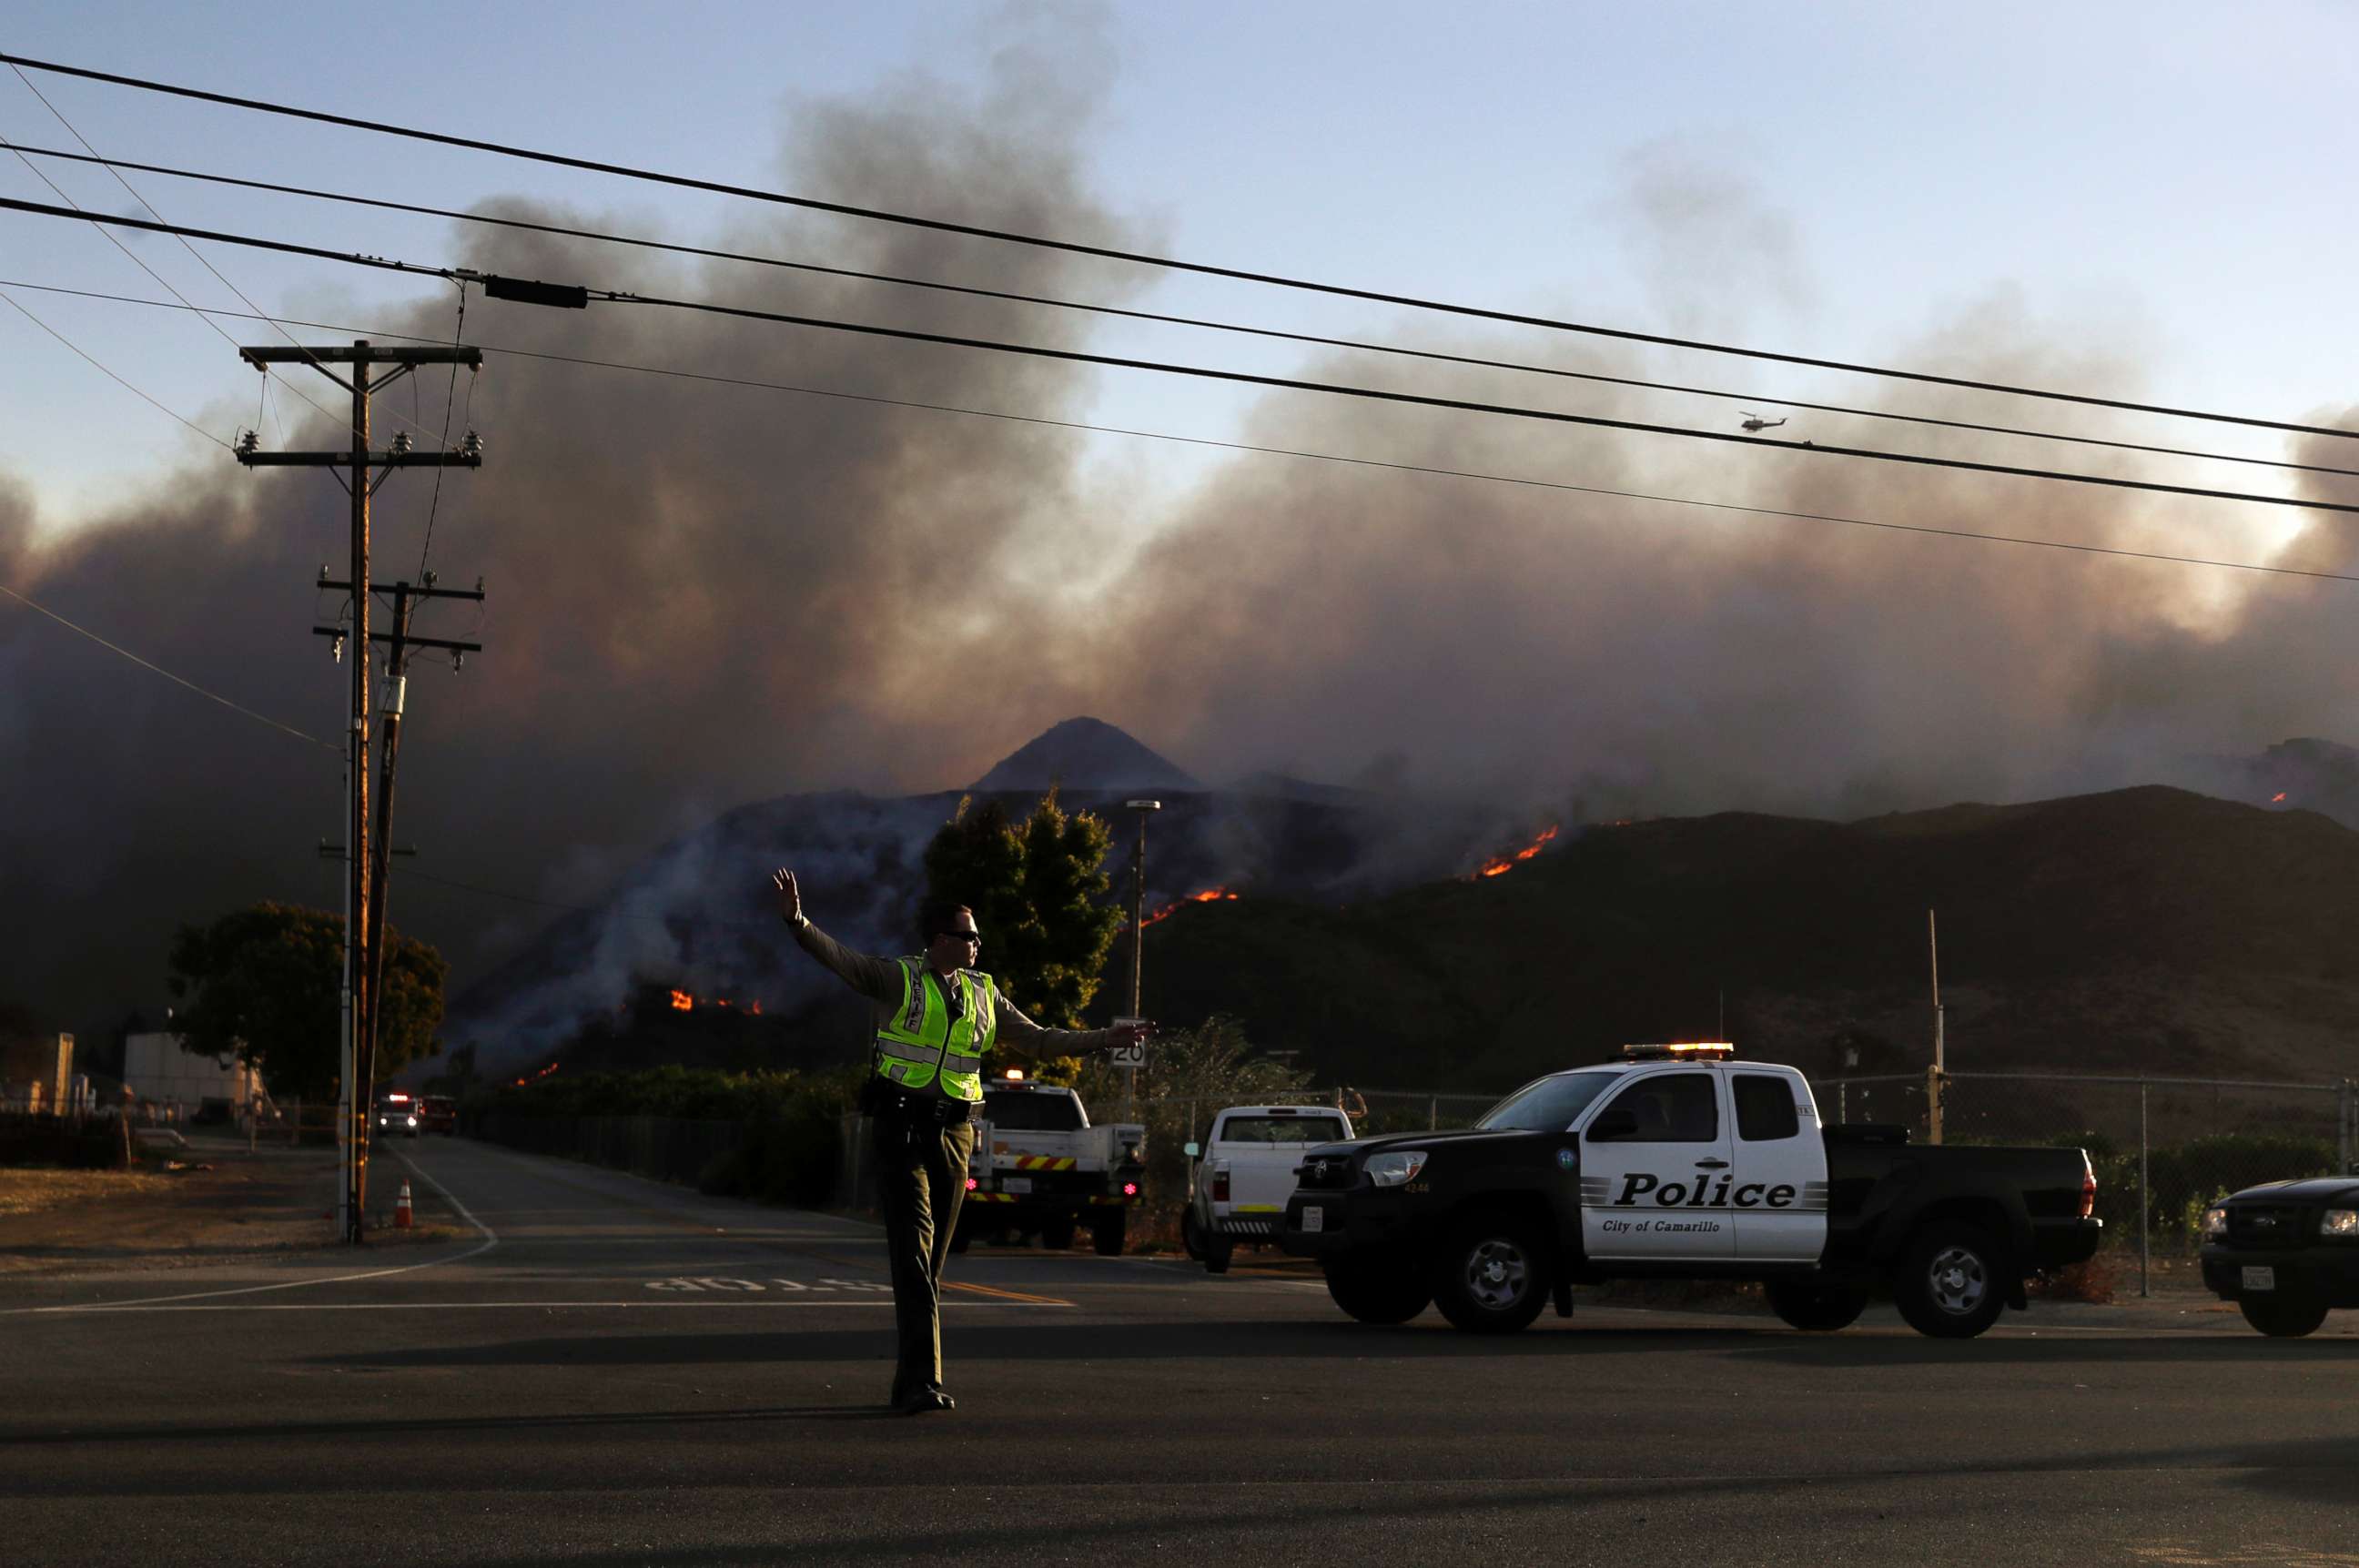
1191, 1239
2283, 1317
1380, 1291
1818, 1309
1058, 1233
1951, 1282
1492, 1277
1106, 1232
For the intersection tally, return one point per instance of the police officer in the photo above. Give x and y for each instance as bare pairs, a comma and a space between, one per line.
936, 1017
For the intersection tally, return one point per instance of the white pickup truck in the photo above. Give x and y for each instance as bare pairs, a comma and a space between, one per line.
1241, 1175
1041, 1169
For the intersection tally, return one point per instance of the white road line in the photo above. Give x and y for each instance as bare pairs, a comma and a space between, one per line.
490, 1241
525, 1306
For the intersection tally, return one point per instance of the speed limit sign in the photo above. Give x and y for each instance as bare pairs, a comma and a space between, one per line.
1133, 1055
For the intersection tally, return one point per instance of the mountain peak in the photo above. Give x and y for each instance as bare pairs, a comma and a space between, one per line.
1083, 754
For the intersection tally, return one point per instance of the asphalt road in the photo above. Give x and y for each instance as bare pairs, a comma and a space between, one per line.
613, 1372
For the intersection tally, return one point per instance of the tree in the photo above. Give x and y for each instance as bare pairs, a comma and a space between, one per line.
458, 1075
1036, 889
265, 984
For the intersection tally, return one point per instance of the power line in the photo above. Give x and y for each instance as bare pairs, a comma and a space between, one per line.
58, 116
1162, 318
144, 664
1165, 367
136, 260
110, 374
449, 396
284, 247
1144, 259
1304, 453
762, 923
1457, 405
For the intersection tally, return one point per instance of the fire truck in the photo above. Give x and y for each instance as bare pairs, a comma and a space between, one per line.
1040, 1169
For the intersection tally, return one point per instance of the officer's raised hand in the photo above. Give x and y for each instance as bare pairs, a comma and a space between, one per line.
1138, 1033
790, 898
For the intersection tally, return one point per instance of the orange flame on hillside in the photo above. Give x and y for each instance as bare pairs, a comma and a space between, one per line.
1506, 862
536, 1077
2277, 798
1208, 896
686, 1002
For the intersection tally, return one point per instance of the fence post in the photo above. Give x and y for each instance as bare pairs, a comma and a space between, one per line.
1433, 1113
1843, 1103
2146, 1284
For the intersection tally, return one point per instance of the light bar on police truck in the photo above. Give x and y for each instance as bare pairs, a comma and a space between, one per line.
1681, 1051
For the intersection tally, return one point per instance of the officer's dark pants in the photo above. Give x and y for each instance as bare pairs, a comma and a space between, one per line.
921, 1177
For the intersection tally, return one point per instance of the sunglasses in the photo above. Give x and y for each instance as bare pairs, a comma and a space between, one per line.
975, 937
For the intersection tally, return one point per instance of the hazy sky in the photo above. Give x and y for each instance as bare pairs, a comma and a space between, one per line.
704, 595
2175, 176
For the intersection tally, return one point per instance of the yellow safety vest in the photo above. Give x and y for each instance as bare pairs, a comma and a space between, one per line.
920, 1043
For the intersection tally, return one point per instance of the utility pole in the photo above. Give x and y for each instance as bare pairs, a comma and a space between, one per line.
400, 641
361, 482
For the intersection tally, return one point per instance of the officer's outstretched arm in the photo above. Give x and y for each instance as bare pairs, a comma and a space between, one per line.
876, 978
1040, 1042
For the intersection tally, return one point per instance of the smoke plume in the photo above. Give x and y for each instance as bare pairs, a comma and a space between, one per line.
703, 595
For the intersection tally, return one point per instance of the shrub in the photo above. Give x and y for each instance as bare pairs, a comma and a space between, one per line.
1193, 1073
94, 1145
2184, 1179
789, 1149
2093, 1281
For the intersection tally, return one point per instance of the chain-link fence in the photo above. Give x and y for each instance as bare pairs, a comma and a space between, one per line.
1174, 1121
1372, 1111
2163, 1148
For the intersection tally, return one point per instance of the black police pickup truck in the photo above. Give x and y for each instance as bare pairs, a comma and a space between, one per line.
1679, 1161
2286, 1252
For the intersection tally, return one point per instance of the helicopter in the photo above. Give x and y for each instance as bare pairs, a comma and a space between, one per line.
1754, 421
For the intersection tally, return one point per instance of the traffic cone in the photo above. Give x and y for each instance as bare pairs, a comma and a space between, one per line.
401, 1209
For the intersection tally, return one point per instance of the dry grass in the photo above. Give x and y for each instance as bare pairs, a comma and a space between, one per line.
227, 1204
29, 1191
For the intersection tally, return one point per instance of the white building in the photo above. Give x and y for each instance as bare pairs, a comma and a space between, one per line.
155, 1067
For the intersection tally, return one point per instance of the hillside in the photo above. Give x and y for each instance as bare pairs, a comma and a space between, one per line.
2144, 929
695, 913
1083, 754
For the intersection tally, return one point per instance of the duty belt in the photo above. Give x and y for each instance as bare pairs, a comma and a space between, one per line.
934, 1108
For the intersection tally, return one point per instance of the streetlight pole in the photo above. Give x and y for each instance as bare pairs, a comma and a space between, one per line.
1137, 927
1139, 900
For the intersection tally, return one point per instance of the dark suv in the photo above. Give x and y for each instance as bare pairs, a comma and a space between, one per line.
2286, 1252
438, 1112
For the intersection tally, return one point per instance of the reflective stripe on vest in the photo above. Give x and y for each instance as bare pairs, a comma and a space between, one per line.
919, 1044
